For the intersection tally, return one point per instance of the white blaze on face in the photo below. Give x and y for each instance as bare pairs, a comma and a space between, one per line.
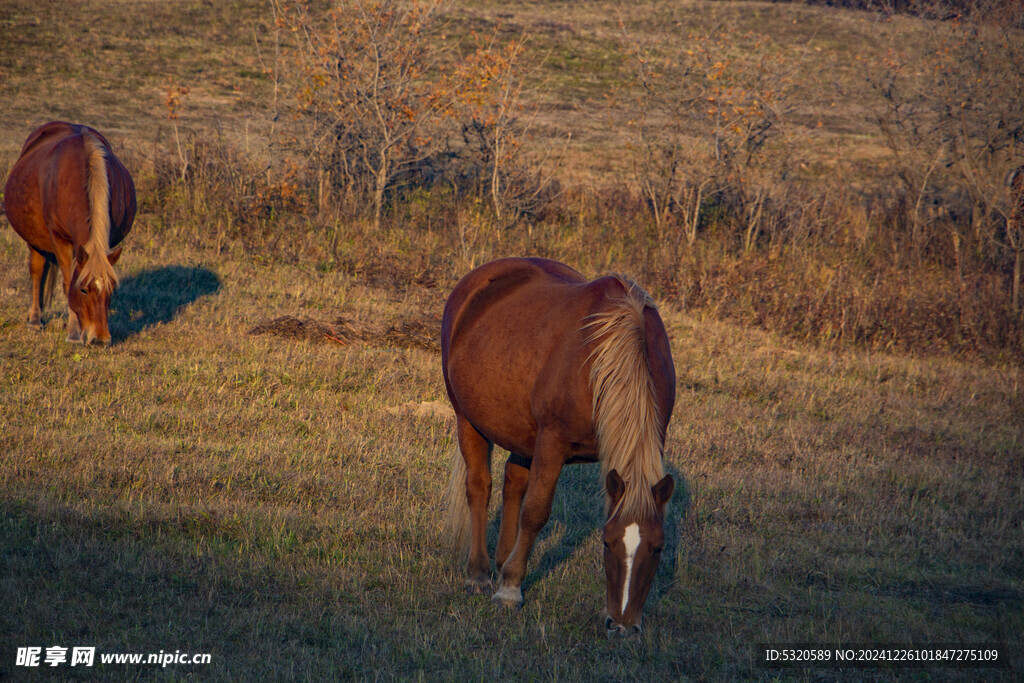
631, 539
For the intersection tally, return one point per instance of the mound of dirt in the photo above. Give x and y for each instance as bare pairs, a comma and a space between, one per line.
419, 333
422, 332
291, 327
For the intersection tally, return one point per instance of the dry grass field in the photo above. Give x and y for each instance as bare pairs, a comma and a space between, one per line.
227, 479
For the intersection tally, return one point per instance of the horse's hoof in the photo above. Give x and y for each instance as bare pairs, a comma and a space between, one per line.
35, 324
478, 586
509, 597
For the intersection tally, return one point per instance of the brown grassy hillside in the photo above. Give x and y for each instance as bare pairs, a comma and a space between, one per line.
254, 469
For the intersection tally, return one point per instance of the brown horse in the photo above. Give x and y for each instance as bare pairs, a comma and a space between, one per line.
556, 370
72, 200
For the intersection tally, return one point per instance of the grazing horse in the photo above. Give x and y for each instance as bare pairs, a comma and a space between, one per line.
72, 200
557, 370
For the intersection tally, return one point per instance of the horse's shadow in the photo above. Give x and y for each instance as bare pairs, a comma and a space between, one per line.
157, 295
577, 512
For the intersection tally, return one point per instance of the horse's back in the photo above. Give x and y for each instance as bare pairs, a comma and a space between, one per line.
489, 285
53, 158
49, 133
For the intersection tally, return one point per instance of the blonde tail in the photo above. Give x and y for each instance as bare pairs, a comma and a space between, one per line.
97, 267
455, 530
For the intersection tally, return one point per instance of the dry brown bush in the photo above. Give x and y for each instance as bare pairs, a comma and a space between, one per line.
954, 132
716, 123
365, 78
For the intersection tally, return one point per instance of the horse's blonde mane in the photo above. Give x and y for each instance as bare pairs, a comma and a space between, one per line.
625, 411
97, 267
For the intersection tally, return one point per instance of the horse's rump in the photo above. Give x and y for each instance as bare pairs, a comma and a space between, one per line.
68, 185
511, 328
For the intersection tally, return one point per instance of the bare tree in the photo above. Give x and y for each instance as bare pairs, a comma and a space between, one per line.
495, 126
708, 122
954, 129
370, 85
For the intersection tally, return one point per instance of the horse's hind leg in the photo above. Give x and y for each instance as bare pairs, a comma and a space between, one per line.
476, 450
512, 491
37, 268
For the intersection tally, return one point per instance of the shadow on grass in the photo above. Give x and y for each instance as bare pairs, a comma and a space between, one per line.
156, 296
70, 581
577, 512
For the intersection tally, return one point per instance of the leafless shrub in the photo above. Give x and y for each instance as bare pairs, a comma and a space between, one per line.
715, 122
954, 131
367, 82
494, 128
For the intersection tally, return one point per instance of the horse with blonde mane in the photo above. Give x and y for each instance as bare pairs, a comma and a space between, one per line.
558, 370
72, 201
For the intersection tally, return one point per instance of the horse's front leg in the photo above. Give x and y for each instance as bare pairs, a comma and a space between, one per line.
476, 450
65, 258
540, 490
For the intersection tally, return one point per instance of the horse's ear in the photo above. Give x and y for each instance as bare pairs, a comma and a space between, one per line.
81, 256
114, 255
662, 491
615, 487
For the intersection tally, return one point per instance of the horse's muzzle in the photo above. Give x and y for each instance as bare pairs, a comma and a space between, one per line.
618, 630
89, 337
